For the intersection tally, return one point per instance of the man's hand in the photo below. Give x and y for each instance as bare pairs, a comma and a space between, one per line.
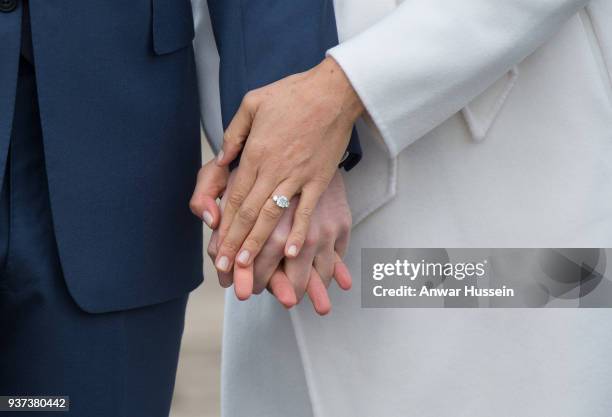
297, 129
211, 183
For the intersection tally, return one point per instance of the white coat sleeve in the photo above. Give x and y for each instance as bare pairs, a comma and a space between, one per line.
429, 58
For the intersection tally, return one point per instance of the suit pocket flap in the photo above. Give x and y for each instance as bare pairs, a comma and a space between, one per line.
172, 25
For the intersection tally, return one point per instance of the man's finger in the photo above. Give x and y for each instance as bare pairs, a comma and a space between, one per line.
281, 288
267, 262
324, 263
298, 269
318, 294
271, 255
225, 278
342, 274
342, 241
211, 183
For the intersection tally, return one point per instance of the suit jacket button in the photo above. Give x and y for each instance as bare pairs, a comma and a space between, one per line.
8, 5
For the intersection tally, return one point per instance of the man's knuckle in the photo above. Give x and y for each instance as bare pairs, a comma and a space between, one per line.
250, 99
348, 219
211, 249
277, 241
327, 231
202, 173
346, 224
194, 205
312, 239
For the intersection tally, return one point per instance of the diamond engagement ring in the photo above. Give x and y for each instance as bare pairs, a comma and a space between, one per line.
281, 201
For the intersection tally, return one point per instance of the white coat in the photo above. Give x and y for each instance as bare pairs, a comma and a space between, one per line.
489, 125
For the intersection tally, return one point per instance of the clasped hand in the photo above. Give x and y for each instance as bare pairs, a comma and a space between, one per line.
292, 134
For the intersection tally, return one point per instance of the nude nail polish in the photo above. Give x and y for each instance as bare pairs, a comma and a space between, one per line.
243, 258
223, 263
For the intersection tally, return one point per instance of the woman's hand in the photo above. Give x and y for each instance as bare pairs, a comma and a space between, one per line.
297, 129
287, 279
312, 270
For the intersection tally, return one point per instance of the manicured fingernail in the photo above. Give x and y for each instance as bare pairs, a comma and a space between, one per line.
243, 258
223, 263
292, 251
220, 156
208, 218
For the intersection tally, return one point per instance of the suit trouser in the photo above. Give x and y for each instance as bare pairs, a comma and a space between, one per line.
113, 364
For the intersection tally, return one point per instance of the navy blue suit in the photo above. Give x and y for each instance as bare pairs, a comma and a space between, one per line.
119, 112
99, 149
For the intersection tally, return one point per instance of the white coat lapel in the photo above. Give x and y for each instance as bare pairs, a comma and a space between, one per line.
480, 113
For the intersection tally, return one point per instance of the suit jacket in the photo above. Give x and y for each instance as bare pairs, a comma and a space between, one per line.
119, 113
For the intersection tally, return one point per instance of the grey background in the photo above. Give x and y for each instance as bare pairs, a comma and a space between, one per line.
197, 390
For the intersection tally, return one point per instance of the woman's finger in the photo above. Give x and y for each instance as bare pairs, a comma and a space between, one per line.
211, 183
235, 194
253, 208
238, 130
318, 294
324, 263
342, 274
266, 222
281, 288
298, 269
272, 254
301, 221
243, 282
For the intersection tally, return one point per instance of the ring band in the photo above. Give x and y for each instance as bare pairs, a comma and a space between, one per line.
281, 201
